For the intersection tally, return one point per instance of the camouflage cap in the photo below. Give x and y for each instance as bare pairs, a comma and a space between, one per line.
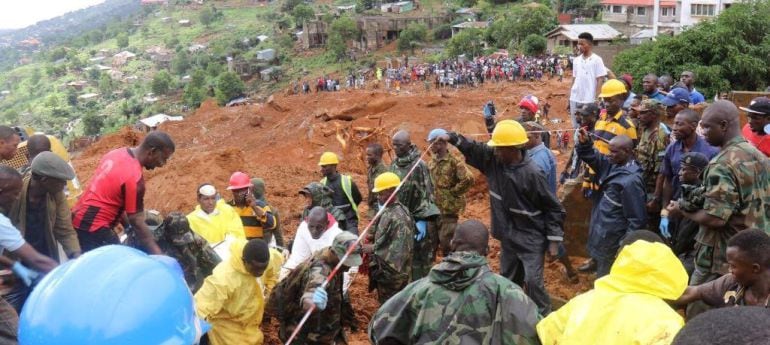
695, 159
650, 105
340, 246
50, 165
177, 229
153, 219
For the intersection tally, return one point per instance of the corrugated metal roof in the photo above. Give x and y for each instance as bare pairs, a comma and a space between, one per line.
477, 25
601, 32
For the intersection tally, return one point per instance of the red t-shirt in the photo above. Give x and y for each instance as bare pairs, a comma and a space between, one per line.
116, 187
761, 142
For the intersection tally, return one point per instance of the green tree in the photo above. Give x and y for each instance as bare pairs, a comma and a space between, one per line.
214, 69
301, 13
411, 37
206, 16
92, 123
534, 44
468, 42
730, 52
161, 83
105, 85
72, 97
122, 40
229, 86
442, 32
289, 5
181, 62
172, 42
341, 31
511, 27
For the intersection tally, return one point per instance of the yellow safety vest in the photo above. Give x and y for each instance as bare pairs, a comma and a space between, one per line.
346, 188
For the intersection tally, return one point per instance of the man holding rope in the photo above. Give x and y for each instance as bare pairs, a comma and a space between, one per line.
526, 216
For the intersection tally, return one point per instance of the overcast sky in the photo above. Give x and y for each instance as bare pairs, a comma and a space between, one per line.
20, 13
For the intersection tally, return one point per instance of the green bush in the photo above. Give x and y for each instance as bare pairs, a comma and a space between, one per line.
229, 86
534, 44
468, 42
411, 37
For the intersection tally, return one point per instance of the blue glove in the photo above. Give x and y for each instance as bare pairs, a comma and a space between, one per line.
320, 298
422, 229
25, 274
664, 227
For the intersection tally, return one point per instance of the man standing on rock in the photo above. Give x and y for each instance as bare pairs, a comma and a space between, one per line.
434, 309
117, 186
588, 74
526, 217
453, 180
346, 196
375, 168
416, 194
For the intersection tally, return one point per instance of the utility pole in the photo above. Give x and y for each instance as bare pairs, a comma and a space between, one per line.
655, 18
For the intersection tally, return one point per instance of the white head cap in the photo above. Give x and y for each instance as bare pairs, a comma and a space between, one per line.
207, 190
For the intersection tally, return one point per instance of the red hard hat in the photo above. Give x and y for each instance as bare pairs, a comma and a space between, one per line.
528, 104
239, 180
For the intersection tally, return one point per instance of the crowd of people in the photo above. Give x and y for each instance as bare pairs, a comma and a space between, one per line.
680, 209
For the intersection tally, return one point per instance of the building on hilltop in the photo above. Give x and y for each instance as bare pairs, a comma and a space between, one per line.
632, 16
469, 25
376, 31
567, 35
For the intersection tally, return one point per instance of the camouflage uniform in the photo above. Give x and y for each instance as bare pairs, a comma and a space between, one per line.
322, 196
259, 194
325, 327
736, 189
416, 194
391, 262
649, 154
452, 180
460, 302
177, 240
371, 174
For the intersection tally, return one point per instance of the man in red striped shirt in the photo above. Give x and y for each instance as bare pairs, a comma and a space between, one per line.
117, 187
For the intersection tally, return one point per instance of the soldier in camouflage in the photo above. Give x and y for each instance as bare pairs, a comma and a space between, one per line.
461, 301
177, 240
390, 244
452, 179
653, 140
316, 194
690, 200
293, 296
375, 167
736, 192
416, 194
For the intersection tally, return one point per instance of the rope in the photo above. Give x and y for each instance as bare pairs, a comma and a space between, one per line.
354, 246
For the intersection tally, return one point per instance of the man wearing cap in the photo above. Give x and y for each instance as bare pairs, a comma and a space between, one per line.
628, 80
255, 215
736, 191
117, 188
42, 214
316, 194
588, 73
390, 241
688, 79
303, 289
676, 100
690, 199
375, 167
214, 219
346, 196
649, 154
757, 131
526, 216
614, 122
528, 106
452, 180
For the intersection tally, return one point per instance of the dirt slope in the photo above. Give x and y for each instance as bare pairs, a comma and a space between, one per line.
282, 139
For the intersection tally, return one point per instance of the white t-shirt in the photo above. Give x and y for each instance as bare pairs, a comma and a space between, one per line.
305, 245
10, 237
585, 71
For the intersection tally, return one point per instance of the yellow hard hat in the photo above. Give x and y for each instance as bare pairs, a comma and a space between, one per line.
612, 87
328, 158
508, 133
385, 181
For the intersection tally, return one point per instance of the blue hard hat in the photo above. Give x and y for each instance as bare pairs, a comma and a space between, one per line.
435, 134
114, 295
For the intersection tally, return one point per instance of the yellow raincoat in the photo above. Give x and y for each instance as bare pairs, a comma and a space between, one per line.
233, 300
213, 227
626, 306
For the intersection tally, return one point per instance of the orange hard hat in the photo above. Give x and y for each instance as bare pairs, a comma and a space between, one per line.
239, 180
527, 103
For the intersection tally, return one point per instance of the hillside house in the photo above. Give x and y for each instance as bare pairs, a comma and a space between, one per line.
77, 85
567, 35
122, 58
184, 22
397, 7
346, 9
376, 31
469, 25
151, 123
196, 48
467, 14
632, 16
88, 96
266, 55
